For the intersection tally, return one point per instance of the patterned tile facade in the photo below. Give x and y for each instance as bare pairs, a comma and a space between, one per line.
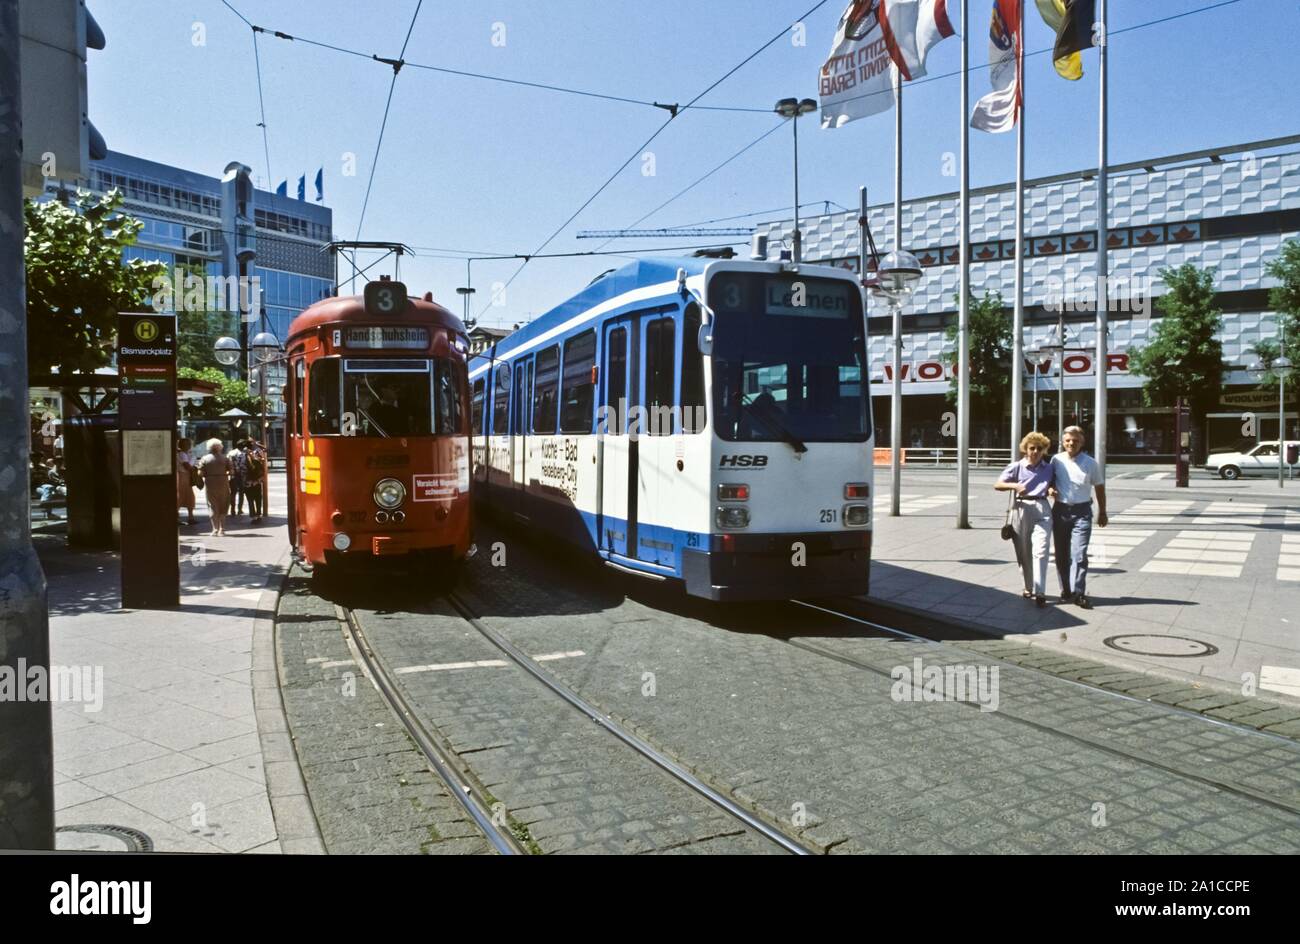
1237, 185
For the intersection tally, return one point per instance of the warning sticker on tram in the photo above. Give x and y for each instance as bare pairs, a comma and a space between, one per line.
376, 338
437, 486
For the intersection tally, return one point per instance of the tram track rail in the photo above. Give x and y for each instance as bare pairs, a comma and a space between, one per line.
1136, 756
647, 750
442, 761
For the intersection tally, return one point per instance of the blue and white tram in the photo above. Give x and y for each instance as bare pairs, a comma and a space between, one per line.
704, 420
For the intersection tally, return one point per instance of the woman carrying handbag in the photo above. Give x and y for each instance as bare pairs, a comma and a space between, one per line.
1030, 516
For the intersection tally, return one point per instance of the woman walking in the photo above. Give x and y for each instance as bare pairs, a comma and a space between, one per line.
215, 469
185, 477
1029, 478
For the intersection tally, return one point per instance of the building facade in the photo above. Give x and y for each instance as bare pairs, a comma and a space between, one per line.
182, 213
1229, 209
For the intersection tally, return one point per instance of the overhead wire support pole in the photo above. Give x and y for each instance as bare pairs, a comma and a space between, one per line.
1018, 328
896, 310
27, 744
963, 323
1103, 237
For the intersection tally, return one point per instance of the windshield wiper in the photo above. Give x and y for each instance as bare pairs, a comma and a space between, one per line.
371, 420
770, 418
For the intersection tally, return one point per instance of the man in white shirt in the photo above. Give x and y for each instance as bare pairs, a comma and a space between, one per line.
1076, 475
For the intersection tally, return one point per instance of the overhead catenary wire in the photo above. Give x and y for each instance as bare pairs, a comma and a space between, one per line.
699, 180
673, 115
383, 124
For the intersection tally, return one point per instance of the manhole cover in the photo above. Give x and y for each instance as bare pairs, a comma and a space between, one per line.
1171, 647
101, 837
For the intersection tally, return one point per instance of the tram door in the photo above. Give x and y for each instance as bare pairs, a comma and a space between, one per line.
520, 420
655, 447
615, 452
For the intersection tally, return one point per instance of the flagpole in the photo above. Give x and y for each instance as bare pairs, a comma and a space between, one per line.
963, 323
1103, 262
1018, 331
896, 387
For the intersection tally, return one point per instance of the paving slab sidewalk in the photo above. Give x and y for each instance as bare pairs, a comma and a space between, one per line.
189, 724
1223, 634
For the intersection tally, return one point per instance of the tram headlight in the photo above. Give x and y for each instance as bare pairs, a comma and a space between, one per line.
342, 542
856, 516
389, 493
731, 518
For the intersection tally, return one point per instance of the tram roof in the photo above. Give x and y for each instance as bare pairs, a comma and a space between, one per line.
629, 278
351, 308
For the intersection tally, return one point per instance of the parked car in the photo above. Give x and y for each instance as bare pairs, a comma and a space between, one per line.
1261, 460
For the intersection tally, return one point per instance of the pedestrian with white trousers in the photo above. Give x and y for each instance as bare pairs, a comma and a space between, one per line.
1030, 478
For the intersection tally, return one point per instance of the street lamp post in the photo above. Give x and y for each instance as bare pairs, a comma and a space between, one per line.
1055, 345
265, 348
792, 108
1282, 367
896, 279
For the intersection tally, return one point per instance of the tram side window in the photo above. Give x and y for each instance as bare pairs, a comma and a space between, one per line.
546, 390
693, 415
297, 407
477, 407
616, 381
501, 401
579, 388
660, 390
324, 408
448, 377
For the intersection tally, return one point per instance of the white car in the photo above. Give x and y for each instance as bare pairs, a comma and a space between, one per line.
1261, 460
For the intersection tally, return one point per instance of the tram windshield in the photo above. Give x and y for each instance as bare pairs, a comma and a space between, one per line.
788, 359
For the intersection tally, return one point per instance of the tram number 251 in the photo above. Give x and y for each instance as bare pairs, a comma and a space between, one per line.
828, 515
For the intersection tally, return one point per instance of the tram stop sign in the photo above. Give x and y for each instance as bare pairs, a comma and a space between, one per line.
146, 366
1182, 443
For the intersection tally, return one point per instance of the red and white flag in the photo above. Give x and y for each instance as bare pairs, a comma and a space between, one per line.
999, 110
914, 26
875, 37
857, 78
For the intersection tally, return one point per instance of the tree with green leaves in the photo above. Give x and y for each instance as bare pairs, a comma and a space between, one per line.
230, 395
1283, 298
77, 282
990, 360
1185, 356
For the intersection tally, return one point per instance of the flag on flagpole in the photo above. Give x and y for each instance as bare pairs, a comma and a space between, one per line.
302, 187
283, 189
320, 185
1075, 33
1053, 13
912, 29
857, 78
999, 109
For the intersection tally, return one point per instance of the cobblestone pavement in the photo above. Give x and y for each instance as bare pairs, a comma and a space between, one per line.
819, 737
369, 785
570, 783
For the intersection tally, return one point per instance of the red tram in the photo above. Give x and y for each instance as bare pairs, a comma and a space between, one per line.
378, 430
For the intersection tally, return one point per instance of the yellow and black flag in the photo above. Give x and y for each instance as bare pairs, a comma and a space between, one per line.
1072, 21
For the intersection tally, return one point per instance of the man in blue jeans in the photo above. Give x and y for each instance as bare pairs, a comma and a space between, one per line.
1076, 475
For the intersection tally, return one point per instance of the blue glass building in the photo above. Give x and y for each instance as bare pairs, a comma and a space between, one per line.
181, 212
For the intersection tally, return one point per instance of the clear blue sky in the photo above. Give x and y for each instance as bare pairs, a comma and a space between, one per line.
468, 164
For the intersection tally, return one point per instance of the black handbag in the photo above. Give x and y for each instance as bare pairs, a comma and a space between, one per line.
1008, 529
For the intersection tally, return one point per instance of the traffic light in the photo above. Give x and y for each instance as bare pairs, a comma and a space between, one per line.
58, 139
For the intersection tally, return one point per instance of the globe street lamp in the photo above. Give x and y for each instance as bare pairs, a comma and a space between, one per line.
792, 108
897, 276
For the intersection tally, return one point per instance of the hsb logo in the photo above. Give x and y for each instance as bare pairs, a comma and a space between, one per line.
746, 462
